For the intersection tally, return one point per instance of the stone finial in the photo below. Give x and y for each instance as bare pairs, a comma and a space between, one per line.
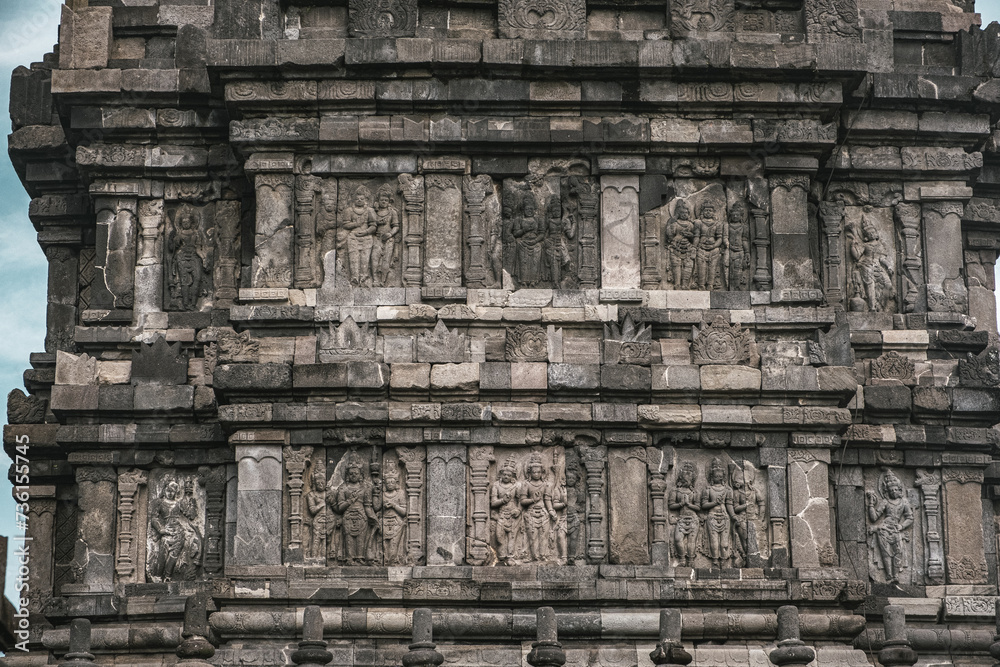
896, 650
422, 651
195, 650
547, 651
669, 650
791, 650
312, 651
79, 654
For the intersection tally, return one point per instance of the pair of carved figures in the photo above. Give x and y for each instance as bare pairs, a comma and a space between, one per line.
175, 537
721, 520
530, 521
542, 231
361, 521
369, 235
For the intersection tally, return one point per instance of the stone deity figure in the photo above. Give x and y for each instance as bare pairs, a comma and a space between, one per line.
188, 257
709, 240
494, 260
872, 279
387, 235
317, 521
683, 500
680, 230
717, 500
576, 514
394, 511
505, 512
890, 515
529, 234
739, 246
359, 227
559, 493
326, 217
558, 246
747, 507
353, 501
538, 515
177, 541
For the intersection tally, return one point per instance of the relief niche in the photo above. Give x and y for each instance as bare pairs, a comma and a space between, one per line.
715, 513
369, 233
894, 544
871, 256
176, 527
190, 260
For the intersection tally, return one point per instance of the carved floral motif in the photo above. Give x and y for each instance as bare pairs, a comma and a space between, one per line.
721, 343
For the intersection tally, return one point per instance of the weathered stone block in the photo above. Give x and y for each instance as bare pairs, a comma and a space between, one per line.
246, 377
455, 377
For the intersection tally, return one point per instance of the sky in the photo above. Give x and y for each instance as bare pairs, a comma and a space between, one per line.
28, 29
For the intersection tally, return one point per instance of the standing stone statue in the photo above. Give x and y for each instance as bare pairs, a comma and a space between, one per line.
709, 239
528, 233
506, 511
717, 499
393, 520
175, 539
684, 501
575, 503
317, 521
747, 507
680, 243
535, 498
359, 226
558, 246
739, 246
872, 286
384, 250
353, 501
890, 515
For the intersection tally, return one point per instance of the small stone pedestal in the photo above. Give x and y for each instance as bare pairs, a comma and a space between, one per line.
669, 650
547, 651
896, 651
79, 654
312, 651
195, 650
791, 650
422, 651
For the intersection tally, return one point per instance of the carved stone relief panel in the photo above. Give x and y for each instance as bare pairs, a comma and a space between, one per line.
699, 239
190, 258
528, 504
353, 506
176, 526
871, 259
700, 16
369, 232
548, 19
715, 509
382, 18
443, 230
892, 515
550, 227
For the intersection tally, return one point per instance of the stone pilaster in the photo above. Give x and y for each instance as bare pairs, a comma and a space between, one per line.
114, 265
762, 278
476, 190
812, 536
946, 291
832, 217
41, 531
127, 563
620, 261
479, 514
307, 188
93, 557
914, 297
413, 460
296, 459
61, 314
628, 510
594, 459
446, 497
412, 188
227, 252
149, 268
273, 240
930, 491
963, 511
443, 234
791, 259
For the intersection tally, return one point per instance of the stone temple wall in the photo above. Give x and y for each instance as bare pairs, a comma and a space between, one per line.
605, 305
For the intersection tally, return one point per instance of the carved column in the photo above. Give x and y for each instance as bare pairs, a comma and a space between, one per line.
658, 514
812, 535
913, 260
620, 232
443, 234
590, 200
127, 563
476, 190
793, 265
762, 246
628, 511
593, 458
946, 291
832, 216
149, 268
446, 523
258, 496
930, 490
93, 555
114, 265
412, 188
41, 531
296, 459
413, 459
306, 188
214, 481
227, 252
650, 252
963, 484
273, 240
479, 483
